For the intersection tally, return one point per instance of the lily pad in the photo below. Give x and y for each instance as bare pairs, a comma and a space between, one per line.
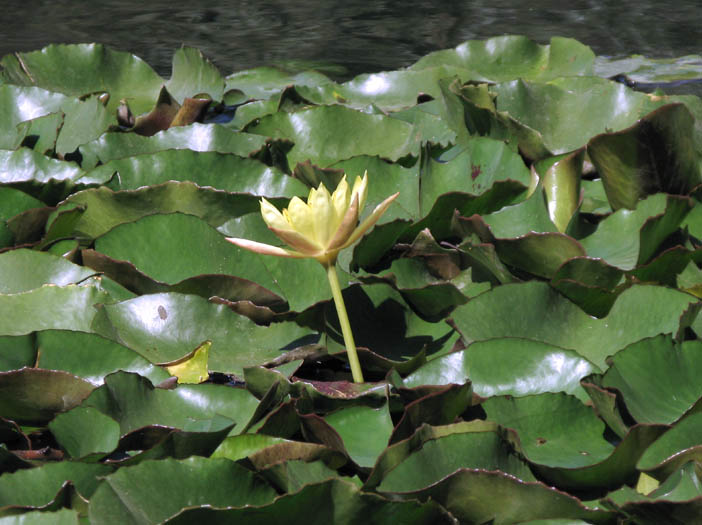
166, 327
328, 125
640, 311
80, 69
46, 269
656, 378
156, 490
196, 137
506, 366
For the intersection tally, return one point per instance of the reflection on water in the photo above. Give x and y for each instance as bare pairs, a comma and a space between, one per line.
362, 36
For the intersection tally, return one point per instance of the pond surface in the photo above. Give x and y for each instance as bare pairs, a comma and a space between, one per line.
357, 36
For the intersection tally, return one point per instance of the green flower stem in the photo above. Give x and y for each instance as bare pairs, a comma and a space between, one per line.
344, 322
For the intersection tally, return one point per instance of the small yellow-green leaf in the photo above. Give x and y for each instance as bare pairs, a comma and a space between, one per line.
193, 367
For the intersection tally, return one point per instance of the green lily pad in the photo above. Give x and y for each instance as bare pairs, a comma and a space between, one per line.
433, 459
430, 297
292, 475
264, 82
677, 499
428, 124
24, 104
80, 69
13, 202
68, 307
226, 172
59, 517
166, 327
640, 311
561, 177
619, 468
46, 269
153, 491
656, 378
507, 57
642, 69
656, 154
566, 112
134, 403
84, 121
329, 125
364, 430
388, 90
91, 357
35, 396
193, 248
17, 352
196, 137
85, 431
333, 501
478, 496
41, 133
674, 449
522, 235
104, 209
37, 487
439, 407
474, 170
193, 74
506, 366
26, 168
638, 232
265, 451
554, 430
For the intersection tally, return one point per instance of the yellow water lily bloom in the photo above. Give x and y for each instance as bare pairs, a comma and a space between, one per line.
321, 227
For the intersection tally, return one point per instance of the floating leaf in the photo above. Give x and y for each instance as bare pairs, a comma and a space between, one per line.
193, 367
334, 501
365, 431
656, 378
68, 307
84, 431
194, 74
37, 487
507, 57
655, 154
506, 366
196, 137
166, 327
639, 312
221, 171
80, 69
153, 491
46, 269
376, 134
33, 396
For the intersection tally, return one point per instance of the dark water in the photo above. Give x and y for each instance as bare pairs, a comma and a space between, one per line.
361, 36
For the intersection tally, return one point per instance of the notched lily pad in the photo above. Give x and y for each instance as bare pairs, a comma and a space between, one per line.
32, 396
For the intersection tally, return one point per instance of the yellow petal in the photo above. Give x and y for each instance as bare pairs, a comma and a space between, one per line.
340, 201
273, 217
323, 213
298, 241
360, 187
265, 249
369, 221
347, 225
300, 217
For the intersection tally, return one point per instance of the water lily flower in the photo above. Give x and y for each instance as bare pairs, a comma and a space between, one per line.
319, 229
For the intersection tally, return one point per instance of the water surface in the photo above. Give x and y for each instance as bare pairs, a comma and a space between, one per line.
360, 36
